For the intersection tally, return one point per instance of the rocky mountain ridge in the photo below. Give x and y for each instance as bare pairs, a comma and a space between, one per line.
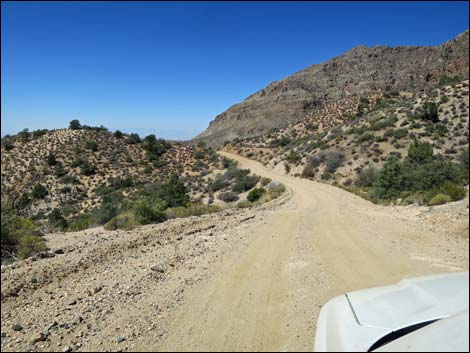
360, 71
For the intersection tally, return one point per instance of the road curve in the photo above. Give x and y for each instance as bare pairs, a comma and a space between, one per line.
323, 242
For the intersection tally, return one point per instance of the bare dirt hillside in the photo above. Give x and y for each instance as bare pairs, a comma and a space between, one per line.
251, 280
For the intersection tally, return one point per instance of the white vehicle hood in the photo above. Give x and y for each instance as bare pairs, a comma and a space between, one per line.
356, 321
411, 301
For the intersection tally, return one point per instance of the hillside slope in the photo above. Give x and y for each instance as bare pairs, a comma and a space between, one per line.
241, 280
360, 71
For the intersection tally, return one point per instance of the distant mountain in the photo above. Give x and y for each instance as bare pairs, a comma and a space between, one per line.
360, 71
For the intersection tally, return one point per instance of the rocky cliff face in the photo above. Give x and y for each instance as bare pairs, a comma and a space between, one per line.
360, 71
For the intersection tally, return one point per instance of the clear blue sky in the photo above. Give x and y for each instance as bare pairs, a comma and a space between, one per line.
170, 68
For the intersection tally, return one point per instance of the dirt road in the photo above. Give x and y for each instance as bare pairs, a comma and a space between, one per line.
250, 279
323, 243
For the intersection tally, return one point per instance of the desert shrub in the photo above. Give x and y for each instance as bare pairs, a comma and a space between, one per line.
227, 162
443, 100
30, 245
429, 112
400, 133
420, 152
125, 220
326, 176
8, 145
118, 134
199, 155
39, 191
274, 190
293, 157
244, 204
77, 162
446, 80
228, 196
366, 136
75, 125
441, 129
69, 179
149, 210
133, 139
439, 199
155, 148
255, 194
173, 192
92, 146
265, 181
117, 183
109, 208
81, 222
56, 220
366, 177
194, 209
422, 171
24, 135
454, 191
51, 159
219, 183
280, 142
464, 164
333, 160
244, 183
86, 168
19, 236
382, 124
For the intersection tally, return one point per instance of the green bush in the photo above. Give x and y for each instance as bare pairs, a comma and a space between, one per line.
367, 177
195, 209
420, 152
92, 146
19, 235
56, 220
8, 145
109, 208
174, 192
75, 125
118, 134
293, 157
422, 171
155, 148
80, 223
39, 191
219, 183
333, 160
86, 168
366, 136
23, 201
464, 164
244, 183
281, 142
51, 159
255, 194
133, 139
439, 199
446, 80
265, 181
30, 245
69, 179
126, 220
454, 191
429, 112
244, 204
228, 196
149, 210
226, 162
